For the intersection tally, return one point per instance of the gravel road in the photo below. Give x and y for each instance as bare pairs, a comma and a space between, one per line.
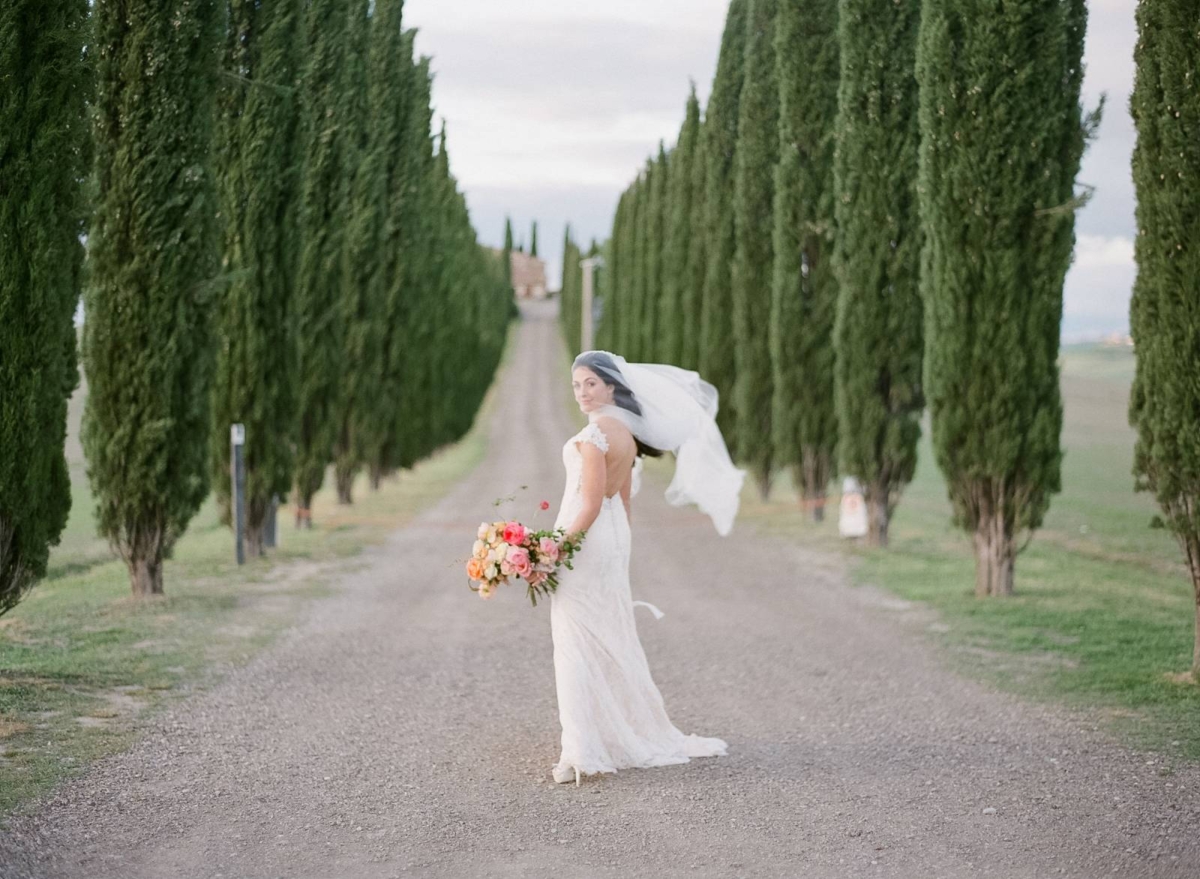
406, 728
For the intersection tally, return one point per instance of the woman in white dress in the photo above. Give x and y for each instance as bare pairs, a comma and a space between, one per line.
611, 712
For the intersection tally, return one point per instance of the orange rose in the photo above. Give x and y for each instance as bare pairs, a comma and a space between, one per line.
475, 569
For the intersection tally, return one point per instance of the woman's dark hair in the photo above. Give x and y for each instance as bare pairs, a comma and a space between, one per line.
606, 368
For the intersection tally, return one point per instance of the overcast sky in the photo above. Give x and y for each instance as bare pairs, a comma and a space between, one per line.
552, 106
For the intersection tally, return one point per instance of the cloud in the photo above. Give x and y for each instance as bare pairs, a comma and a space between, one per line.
1099, 286
552, 107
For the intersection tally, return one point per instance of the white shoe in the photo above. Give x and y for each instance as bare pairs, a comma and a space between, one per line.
563, 774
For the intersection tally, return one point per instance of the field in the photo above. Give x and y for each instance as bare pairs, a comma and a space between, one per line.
1102, 618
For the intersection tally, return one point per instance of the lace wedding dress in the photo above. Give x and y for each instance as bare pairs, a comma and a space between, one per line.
611, 712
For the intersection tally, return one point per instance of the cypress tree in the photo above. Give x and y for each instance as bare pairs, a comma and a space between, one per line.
678, 236
716, 351
657, 177
625, 280
154, 250
412, 427
413, 420
572, 294
691, 300
256, 137
533, 242
362, 186
508, 249
379, 223
753, 262
608, 330
1165, 313
1001, 138
322, 219
804, 288
639, 293
44, 146
878, 334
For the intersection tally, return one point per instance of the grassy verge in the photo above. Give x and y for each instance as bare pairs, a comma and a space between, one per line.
82, 665
1102, 619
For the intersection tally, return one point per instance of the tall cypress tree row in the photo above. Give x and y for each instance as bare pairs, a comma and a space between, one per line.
1165, 313
360, 251
678, 237
878, 335
753, 261
153, 250
804, 287
691, 300
657, 178
720, 134
44, 146
378, 246
323, 214
1001, 140
259, 189
533, 240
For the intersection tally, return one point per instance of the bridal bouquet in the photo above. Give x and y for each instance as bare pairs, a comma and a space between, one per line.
509, 549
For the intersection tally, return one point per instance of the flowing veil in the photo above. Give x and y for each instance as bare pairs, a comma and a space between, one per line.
675, 410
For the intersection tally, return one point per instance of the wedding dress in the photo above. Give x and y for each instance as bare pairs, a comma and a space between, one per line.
611, 712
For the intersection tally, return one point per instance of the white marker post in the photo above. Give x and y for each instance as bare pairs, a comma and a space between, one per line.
237, 439
587, 323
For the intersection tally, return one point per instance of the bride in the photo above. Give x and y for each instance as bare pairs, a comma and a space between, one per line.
611, 712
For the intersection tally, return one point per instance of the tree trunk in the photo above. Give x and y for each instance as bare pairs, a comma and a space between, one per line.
303, 510
254, 539
995, 553
145, 574
344, 476
813, 476
1191, 549
762, 479
878, 517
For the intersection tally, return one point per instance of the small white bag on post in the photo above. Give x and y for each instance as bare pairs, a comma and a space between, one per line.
852, 518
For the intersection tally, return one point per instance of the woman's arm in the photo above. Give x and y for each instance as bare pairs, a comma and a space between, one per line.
592, 489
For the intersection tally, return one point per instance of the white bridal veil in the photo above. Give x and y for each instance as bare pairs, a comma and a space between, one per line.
675, 410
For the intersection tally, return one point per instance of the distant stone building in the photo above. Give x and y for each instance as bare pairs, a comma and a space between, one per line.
528, 276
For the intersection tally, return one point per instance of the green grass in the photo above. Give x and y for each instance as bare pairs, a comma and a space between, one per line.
1102, 618
82, 664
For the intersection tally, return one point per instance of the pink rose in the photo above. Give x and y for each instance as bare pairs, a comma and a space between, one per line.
514, 533
518, 559
548, 549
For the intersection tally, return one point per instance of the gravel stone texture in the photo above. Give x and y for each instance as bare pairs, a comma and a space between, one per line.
406, 728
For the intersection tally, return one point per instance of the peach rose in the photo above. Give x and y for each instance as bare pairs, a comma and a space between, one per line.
518, 560
548, 549
475, 569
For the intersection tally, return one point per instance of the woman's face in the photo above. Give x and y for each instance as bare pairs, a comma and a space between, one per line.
590, 390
